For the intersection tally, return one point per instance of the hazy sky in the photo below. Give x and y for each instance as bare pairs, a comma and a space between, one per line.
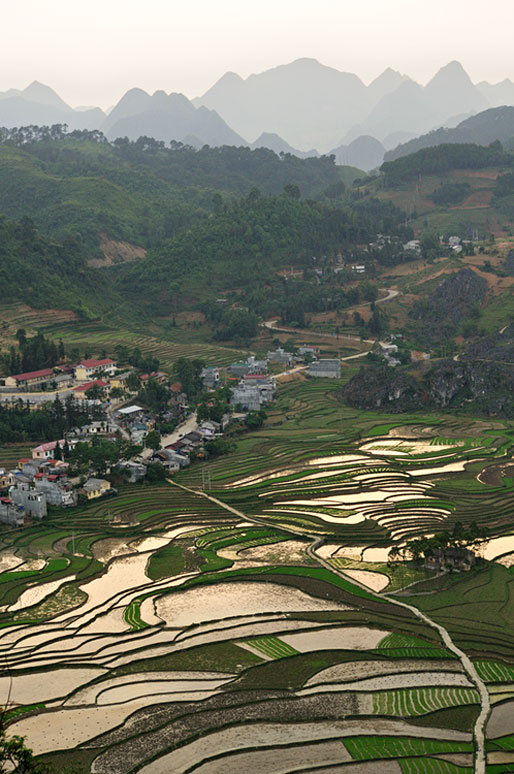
92, 52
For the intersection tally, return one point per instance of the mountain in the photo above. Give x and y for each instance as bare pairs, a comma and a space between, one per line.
311, 105
417, 109
41, 106
44, 95
278, 145
451, 92
482, 129
499, 93
307, 103
167, 117
365, 152
385, 84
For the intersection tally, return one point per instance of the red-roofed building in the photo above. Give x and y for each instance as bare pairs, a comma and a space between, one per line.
29, 379
80, 391
46, 451
87, 368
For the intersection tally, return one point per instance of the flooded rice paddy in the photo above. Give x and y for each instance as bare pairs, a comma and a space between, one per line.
181, 610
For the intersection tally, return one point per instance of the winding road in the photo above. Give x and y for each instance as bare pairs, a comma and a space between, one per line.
479, 729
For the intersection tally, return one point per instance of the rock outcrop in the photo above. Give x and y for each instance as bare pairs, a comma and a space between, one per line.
381, 387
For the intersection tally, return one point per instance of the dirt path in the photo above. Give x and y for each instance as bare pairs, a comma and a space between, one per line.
272, 324
479, 730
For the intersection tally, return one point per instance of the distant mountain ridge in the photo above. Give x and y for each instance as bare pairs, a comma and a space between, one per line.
40, 105
304, 108
167, 117
482, 129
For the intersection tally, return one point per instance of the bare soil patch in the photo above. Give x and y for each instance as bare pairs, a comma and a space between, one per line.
501, 720
116, 252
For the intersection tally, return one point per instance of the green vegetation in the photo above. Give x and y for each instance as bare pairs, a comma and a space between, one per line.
272, 647
442, 158
166, 562
363, 748
418, 701
432, 766
451, 193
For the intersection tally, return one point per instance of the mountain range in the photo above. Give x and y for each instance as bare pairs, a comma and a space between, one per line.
302, 108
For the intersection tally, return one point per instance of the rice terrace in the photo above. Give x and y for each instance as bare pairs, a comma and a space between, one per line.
265, 619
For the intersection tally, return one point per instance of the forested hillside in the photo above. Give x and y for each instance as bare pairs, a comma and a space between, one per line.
443, 158
244, 242
44, 273
141, 192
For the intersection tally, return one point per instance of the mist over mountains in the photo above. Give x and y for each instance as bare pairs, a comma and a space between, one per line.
304, 108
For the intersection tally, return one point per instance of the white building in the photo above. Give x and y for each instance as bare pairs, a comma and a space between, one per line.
88, 368
329, 368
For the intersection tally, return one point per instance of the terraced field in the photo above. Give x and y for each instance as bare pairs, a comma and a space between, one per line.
169, 629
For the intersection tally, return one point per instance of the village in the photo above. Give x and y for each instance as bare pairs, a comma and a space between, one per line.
72, 470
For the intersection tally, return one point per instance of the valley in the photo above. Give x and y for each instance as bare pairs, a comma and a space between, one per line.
173, 611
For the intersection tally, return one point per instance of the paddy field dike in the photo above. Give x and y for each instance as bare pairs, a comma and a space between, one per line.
262, 623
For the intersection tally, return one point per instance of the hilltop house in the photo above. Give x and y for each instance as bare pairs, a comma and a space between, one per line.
88, 368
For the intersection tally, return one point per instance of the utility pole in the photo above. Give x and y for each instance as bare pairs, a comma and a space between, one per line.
206, 479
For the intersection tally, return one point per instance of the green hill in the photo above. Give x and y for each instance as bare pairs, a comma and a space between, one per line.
450, 189
140, 192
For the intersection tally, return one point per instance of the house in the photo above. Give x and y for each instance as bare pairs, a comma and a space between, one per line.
388, 352
80, 392
311, 351
46, 451
99, 427
329, 368
450, 558
88, 368
257, 366
358, 268
194, 438
413, 246
29, 380
247, 396
57, 489
239, 369
156, 376
32, 501
120, 380
280, 356
210, 377
132, 471
130, 413
95, 487
171, 459
10, 513
209, 428
419, 356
